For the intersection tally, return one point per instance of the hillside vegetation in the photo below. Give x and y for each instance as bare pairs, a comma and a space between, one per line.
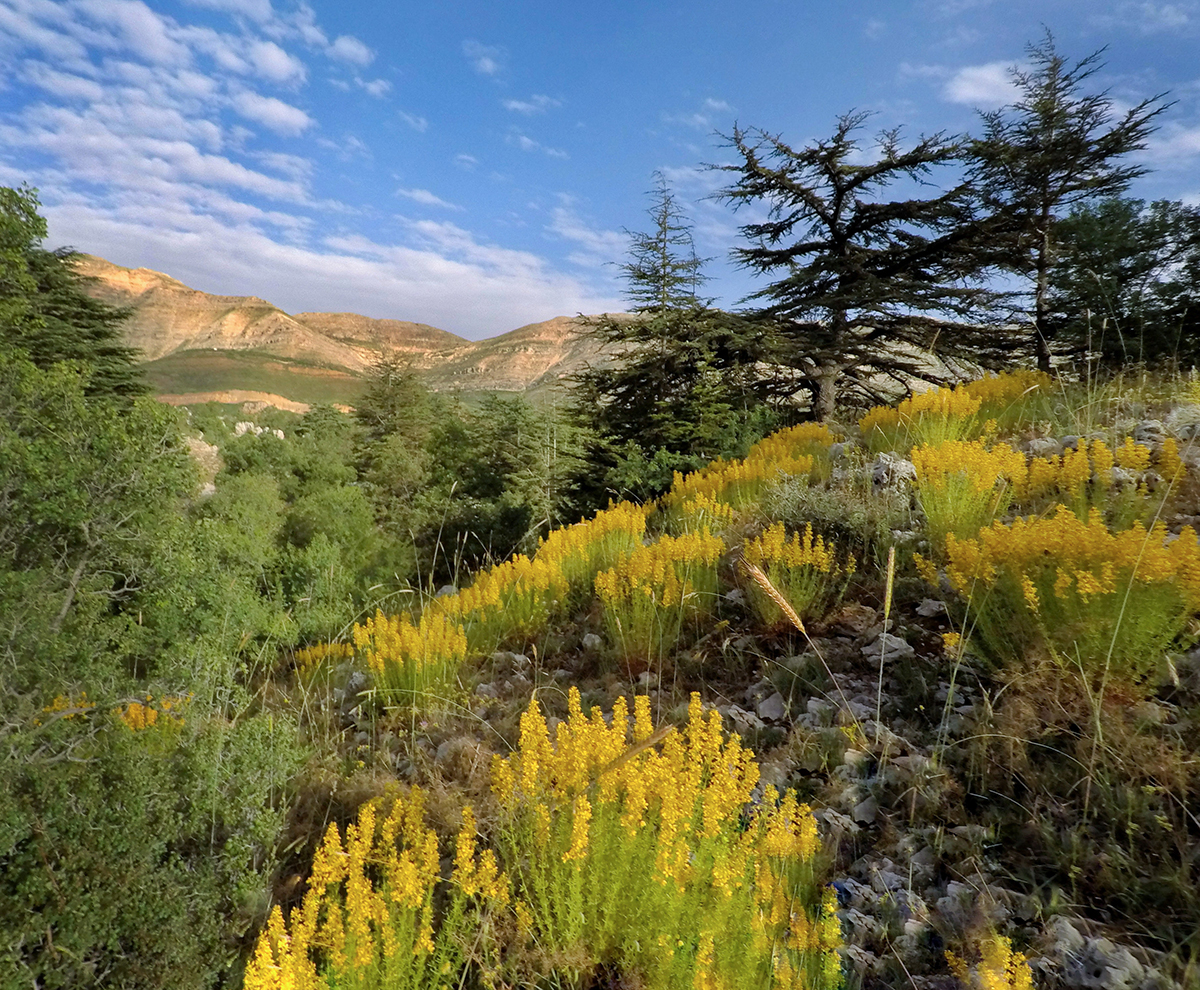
783, 656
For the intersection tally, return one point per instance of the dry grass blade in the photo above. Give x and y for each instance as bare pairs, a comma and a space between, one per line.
764, 582
760, 578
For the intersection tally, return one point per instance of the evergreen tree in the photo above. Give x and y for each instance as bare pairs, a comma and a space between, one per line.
1125, 286
679, 385
860, 285
45, 311
1055, 148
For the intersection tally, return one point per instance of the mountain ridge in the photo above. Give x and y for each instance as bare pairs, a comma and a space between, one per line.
190, 338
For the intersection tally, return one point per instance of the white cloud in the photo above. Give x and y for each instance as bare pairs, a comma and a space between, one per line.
280, 117
292, 166
987, 86
874, 28
526, 143
696, 121
136, 28
349, 148
375, 87
1174, 145
416, 122
259, 11
466, 162
131, 135
596, 247
717, 106
64, 85
537, 103
486, 59
350, 49
426, 198
1150, 18
271, 62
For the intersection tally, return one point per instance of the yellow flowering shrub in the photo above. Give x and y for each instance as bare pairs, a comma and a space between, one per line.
805, 569
940, 414
1082, 479
1169, 464
148, 713
801, 450
703, 511
312, 660
648, 595
411, 661
1013, 398
68, 706
642, 848
998, 968
511, 602
368, 919
1078, 588
592, 545
737, 483
963, 484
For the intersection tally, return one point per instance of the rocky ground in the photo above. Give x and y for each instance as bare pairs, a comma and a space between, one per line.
870, 724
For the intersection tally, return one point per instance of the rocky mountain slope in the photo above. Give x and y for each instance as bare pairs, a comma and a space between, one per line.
178, 329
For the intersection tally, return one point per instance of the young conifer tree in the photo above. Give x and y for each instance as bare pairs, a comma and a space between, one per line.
1056, 147
679, 384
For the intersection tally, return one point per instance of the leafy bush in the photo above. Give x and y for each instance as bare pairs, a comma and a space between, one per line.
135, 847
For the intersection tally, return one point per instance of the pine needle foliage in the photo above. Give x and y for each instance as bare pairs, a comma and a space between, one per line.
858, 284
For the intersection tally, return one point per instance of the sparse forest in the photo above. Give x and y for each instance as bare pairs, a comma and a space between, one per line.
848, 639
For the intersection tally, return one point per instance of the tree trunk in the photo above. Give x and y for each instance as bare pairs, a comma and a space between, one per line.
824, 402
1041, 301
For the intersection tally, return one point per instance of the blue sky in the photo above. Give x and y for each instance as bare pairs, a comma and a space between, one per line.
473, 164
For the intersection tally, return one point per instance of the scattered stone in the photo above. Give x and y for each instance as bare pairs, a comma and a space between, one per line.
819, 707
866, 811
743, 721
1104, 965
1069, 442
1149, 431
446, 589
1042, 447
487, 691
773, 708
892, 648
758, 691
592, 642
835, 822
892, 473
853, 619
734, 595
561, 675
930, 607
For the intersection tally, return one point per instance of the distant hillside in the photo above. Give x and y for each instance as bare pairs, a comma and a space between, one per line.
196, 343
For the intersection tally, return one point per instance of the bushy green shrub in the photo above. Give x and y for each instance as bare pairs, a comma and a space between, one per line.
135, 854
